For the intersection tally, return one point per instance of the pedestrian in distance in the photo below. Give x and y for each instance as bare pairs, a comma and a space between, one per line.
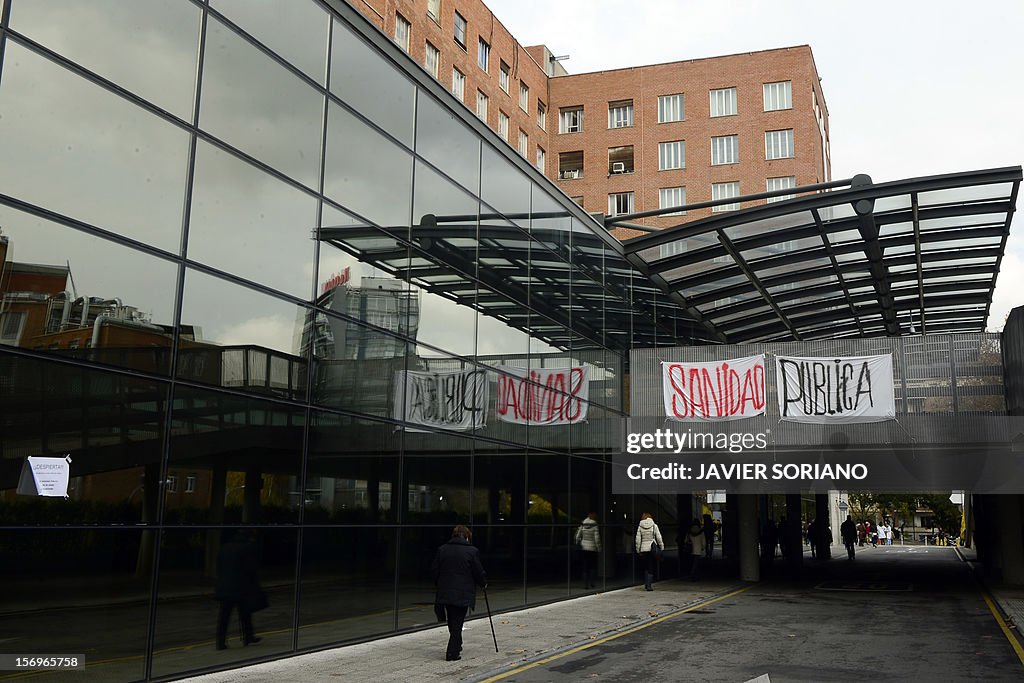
647, 535
709, 536
238, 586
588, 538
812, 537
697, 547
457, 573
848, 530
861, 534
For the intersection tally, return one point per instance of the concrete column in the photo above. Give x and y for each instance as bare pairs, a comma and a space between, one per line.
750, 568
794, 538
1009, 537
822, 521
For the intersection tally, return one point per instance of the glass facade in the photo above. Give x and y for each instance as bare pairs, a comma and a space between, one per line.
262, 272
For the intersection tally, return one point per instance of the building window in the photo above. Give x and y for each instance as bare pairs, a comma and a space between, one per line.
620, 203
778, 144
190, 484
483, 54
570, 165
524, 97
540, 159
670, 108
503, 76
434, 9
481, 105
723, 102
458, 84
620, 160
725, 150
671, 155
542, 115
172, 483
778, 95
783, 183
432, 60
503, 121
620, 114
403, 30
725, 191
570, 120
524, 143
672, 196
460, 30
11, 326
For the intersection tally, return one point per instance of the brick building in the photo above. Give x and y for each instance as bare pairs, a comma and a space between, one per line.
634, 139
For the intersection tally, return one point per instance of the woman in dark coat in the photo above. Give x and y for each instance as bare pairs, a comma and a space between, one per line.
457, 573
238, 586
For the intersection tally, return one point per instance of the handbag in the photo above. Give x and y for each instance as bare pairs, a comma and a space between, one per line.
655, 550
440, 613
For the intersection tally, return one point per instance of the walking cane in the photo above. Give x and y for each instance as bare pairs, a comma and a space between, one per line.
488, 603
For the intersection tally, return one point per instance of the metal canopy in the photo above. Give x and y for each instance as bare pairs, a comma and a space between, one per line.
917, 255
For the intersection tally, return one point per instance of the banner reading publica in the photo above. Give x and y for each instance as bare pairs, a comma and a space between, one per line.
822, 390
450, 400
720, 390
543, 396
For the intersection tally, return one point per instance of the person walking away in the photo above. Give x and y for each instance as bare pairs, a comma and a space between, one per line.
647, 534
588, 538
697, 542
812, 537
457, 573
848, 530
238, 586
860, 534
709, 536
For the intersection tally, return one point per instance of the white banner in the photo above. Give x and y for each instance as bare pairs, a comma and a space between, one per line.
823, 390
545, 396
719, 390
45, 477
450, 400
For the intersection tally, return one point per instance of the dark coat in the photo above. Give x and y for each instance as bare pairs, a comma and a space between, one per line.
457, 573
236, 571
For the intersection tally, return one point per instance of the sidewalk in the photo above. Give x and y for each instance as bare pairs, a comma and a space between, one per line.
523, 636
1009, 598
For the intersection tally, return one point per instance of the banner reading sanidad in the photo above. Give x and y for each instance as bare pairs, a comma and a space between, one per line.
825, 390
719, 390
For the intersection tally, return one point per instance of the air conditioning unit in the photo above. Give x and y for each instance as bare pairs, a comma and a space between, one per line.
570, 175
618, 167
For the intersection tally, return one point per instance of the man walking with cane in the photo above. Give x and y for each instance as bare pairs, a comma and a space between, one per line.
457, 573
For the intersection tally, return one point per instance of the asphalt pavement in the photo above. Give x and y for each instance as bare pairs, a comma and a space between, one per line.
916, 600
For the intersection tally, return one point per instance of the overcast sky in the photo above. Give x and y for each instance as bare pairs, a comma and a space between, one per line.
913, 88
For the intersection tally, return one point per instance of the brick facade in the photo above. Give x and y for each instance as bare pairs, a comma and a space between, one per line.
694, 79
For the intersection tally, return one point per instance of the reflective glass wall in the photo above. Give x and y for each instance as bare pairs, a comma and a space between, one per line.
263, 278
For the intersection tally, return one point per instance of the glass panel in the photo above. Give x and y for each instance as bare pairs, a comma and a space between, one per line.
249, 223
505, 187
416, 579
364, 80
445, 141
348, 584
366, 172
234, 565
124, 314
125, 42
242, 455
105, 161
255, 104
110, 425
355, 367
80, 591
236, 337
299, 35
352, 473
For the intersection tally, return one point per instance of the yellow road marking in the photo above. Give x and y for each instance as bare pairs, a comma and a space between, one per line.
1014, 643
601, 641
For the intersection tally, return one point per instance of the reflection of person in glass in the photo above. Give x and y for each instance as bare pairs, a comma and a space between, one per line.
238, 586
457, 573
